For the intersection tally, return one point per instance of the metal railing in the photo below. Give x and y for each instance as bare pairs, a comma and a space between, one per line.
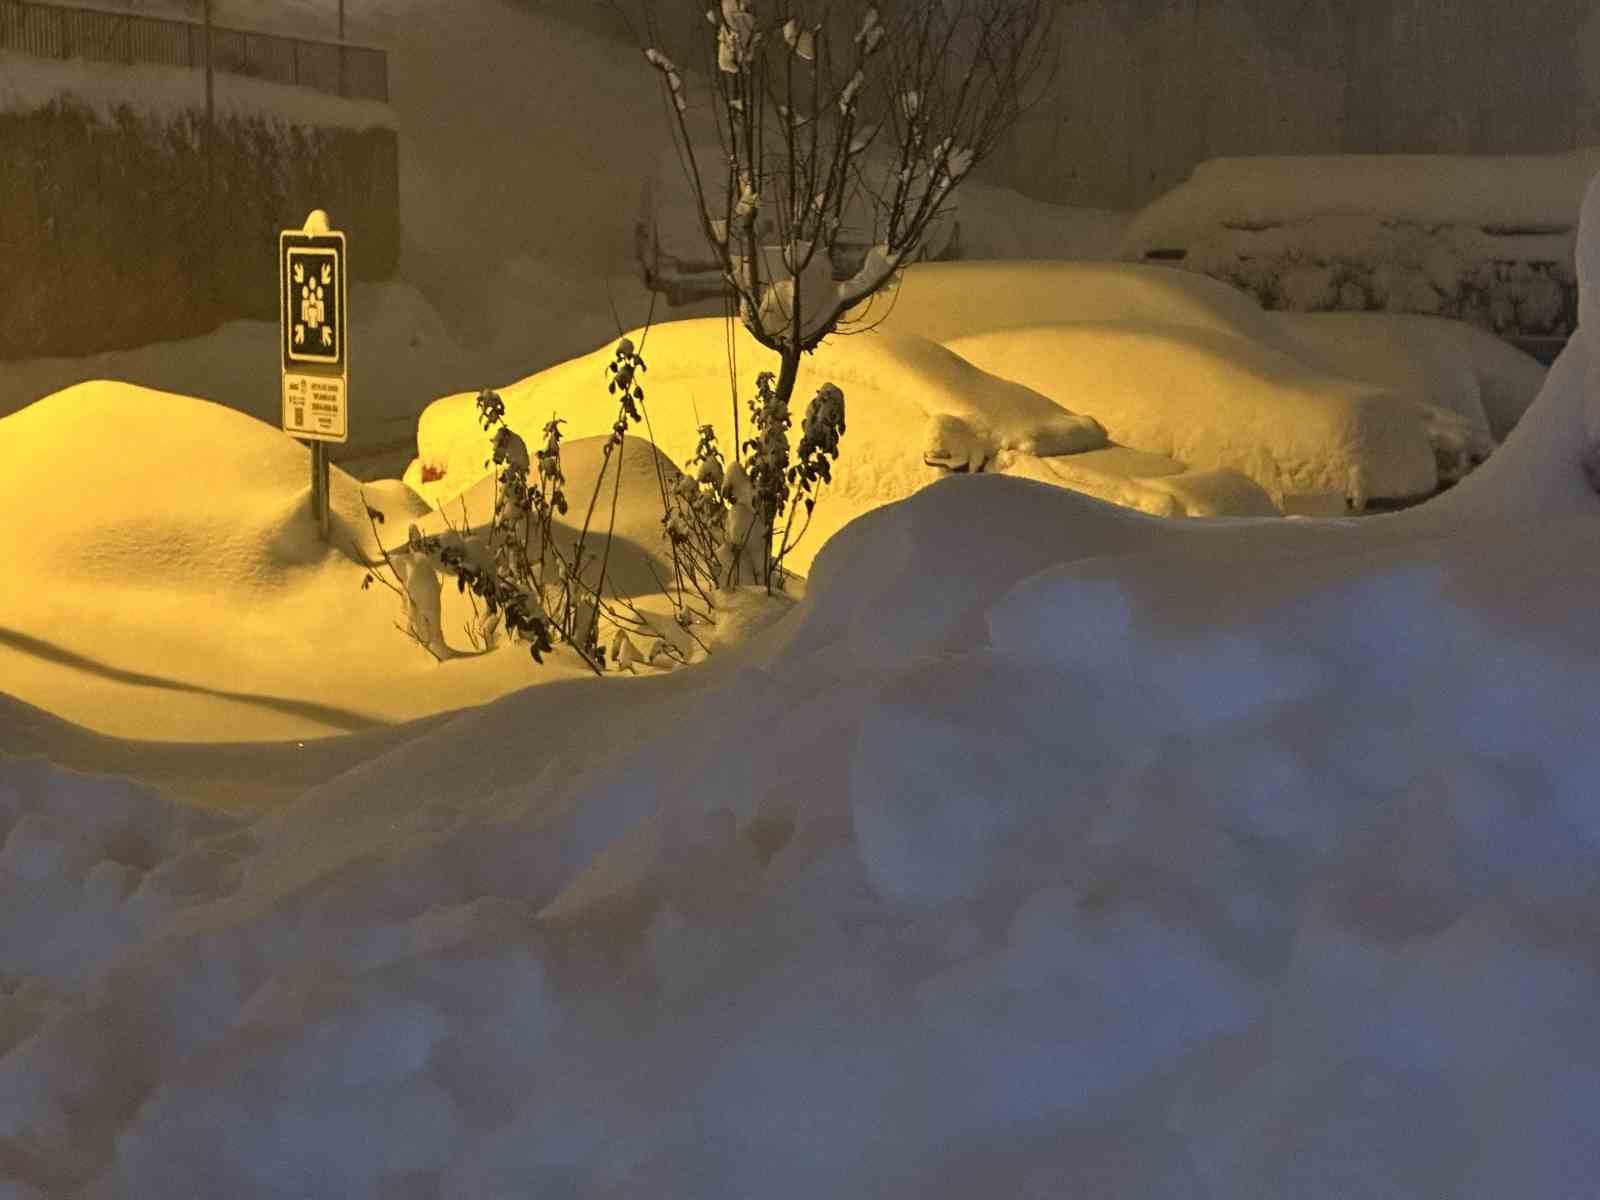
60, 31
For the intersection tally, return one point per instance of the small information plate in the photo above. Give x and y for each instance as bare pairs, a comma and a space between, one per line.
314, 407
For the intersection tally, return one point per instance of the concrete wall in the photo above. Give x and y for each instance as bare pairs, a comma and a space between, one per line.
108, 240
1146, 89
1587, 48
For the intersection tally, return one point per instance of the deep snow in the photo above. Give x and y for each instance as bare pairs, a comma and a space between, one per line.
1042, 848
1000, 864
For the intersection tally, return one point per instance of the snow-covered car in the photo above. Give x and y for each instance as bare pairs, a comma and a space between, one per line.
1150, 388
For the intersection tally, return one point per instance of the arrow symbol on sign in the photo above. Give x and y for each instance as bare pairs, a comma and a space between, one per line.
327, 336
327, 273
299, 335
299, 273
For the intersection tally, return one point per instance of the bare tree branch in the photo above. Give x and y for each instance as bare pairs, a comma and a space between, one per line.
802, 92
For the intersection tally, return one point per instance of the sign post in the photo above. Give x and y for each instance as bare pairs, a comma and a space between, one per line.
314, 319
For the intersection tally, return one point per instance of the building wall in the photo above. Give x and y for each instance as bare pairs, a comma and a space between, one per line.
110, 236
1146, 89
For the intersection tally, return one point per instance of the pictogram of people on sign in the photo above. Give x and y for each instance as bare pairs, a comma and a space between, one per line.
313, 305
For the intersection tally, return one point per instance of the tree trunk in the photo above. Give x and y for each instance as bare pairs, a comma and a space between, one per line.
788, 373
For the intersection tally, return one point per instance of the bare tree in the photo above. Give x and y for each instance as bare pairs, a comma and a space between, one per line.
842, 134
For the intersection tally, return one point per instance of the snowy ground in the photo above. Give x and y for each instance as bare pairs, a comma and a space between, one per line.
1033, 847
1001, 864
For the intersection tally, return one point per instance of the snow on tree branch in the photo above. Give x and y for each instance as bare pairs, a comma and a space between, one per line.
872, 32
665, 65
876, 269
801, 41
737, 37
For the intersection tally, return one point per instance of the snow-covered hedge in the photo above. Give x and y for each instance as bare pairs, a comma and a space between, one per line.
1481, 239
103, 217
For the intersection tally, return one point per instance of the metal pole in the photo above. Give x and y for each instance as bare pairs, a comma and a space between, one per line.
210, 216
210, 102
319, 486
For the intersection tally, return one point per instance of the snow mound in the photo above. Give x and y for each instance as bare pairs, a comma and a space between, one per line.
1121, 882
104, 458
941, 301
1214, 400
639, 559
1153, 484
